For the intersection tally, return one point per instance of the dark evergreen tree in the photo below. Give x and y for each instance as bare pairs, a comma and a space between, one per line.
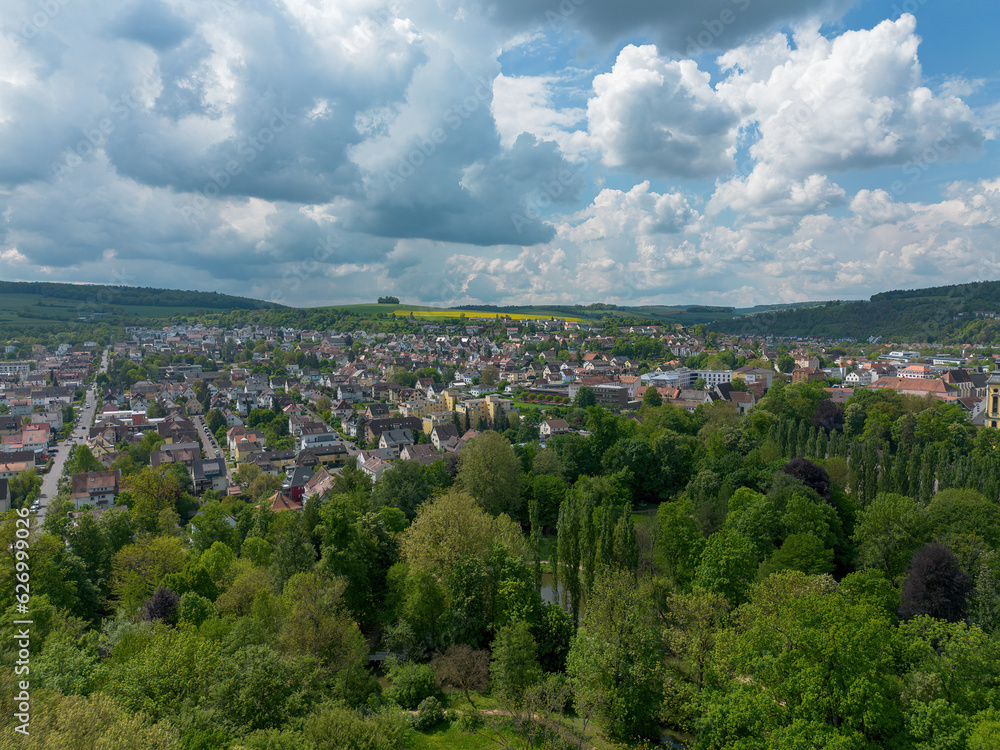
935, 585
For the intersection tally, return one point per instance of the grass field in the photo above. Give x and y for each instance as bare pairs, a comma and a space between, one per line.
423, 311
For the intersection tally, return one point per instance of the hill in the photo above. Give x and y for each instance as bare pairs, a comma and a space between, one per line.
27, 306
959, 312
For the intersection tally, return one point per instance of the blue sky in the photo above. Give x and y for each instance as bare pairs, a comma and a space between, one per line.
309, 152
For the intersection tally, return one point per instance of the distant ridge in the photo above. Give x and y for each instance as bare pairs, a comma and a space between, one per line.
97, 294
935, 314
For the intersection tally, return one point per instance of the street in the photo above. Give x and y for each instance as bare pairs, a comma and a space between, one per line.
210, 447
85, 418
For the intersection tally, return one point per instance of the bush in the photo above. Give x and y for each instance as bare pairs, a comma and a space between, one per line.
429, 714
411, 683
469, 723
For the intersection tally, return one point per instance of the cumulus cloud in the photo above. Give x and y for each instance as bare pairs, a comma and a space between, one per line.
638, 211
659, 115
765, 189
856, 101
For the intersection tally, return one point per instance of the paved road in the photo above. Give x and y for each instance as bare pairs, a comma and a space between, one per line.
209, 445
85, 418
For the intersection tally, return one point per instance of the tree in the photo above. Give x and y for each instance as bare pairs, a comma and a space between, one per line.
488, 375
584, 398
514, 667
162, 605
317, 624
822, 666
679, 542
810, 474
887, 532
652, 397
411, 683
75, 722
728, 565
616, 660
137, 569
405, 486
454, 526
692, 622
804, 552
490, 471
464, 667
935, 585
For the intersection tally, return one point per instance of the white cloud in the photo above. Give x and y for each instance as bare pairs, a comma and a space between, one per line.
638, 212
767, 190
856, 101
653, 114
523, 104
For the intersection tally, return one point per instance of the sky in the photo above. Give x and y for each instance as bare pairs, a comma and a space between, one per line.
309, 152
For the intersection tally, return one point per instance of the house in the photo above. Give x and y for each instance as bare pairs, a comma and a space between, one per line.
375, 467
424, 453
442, 433
858, 378
377, 411
295, 483
551, 427
242, 442
395, 440
916, 386
96, 488
375, 427
281, 501
341, 409
753, 375
318, 484
315, 435
807, 374
4, 496
209, 475
175, 453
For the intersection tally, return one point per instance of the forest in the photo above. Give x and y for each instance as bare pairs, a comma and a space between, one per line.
959, 313
810, 575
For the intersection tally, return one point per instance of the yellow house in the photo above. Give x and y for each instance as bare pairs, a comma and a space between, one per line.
434, 419
475, 409
496, 405
418, 407
992, 418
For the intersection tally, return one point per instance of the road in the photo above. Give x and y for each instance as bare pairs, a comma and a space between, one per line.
210, 446
85, 418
